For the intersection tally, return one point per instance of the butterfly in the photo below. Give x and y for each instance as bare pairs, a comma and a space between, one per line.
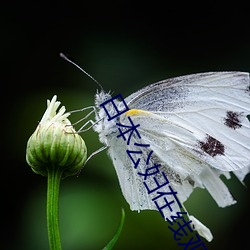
196, 127
190, 130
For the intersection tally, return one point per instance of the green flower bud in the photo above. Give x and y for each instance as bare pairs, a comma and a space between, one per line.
55, 144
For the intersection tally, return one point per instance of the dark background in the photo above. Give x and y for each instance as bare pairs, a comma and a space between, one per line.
125, 45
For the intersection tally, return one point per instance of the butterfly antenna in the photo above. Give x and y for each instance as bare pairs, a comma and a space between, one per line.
86, 73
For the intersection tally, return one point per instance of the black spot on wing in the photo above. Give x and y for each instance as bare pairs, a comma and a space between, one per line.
212, 146
233, 119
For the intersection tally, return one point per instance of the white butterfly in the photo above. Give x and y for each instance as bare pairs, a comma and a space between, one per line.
197, 128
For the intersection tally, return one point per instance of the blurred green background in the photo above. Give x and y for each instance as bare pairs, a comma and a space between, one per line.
125, 47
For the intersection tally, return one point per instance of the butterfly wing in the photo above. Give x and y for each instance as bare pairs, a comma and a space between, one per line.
191, 130
132, 183
211, 106
191, 125
173, 150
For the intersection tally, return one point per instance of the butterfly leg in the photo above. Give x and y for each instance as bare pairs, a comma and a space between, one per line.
81, 129
96, 152
92, 154
86, 116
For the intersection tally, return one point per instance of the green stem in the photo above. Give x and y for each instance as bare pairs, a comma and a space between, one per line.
54, 177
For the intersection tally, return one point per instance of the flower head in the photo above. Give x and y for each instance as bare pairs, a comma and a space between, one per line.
55, 143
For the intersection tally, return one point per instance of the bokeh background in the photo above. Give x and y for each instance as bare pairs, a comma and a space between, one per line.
125, 45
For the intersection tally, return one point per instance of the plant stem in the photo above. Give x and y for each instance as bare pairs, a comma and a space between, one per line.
54, 177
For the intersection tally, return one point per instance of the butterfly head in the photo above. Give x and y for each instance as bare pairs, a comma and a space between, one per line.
104, 126
101, 97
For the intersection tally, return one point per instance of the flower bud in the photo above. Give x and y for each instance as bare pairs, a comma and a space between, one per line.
55, 144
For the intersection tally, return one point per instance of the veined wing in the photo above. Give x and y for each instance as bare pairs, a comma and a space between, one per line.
176, 93
175, 149
209, 108
131, 182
